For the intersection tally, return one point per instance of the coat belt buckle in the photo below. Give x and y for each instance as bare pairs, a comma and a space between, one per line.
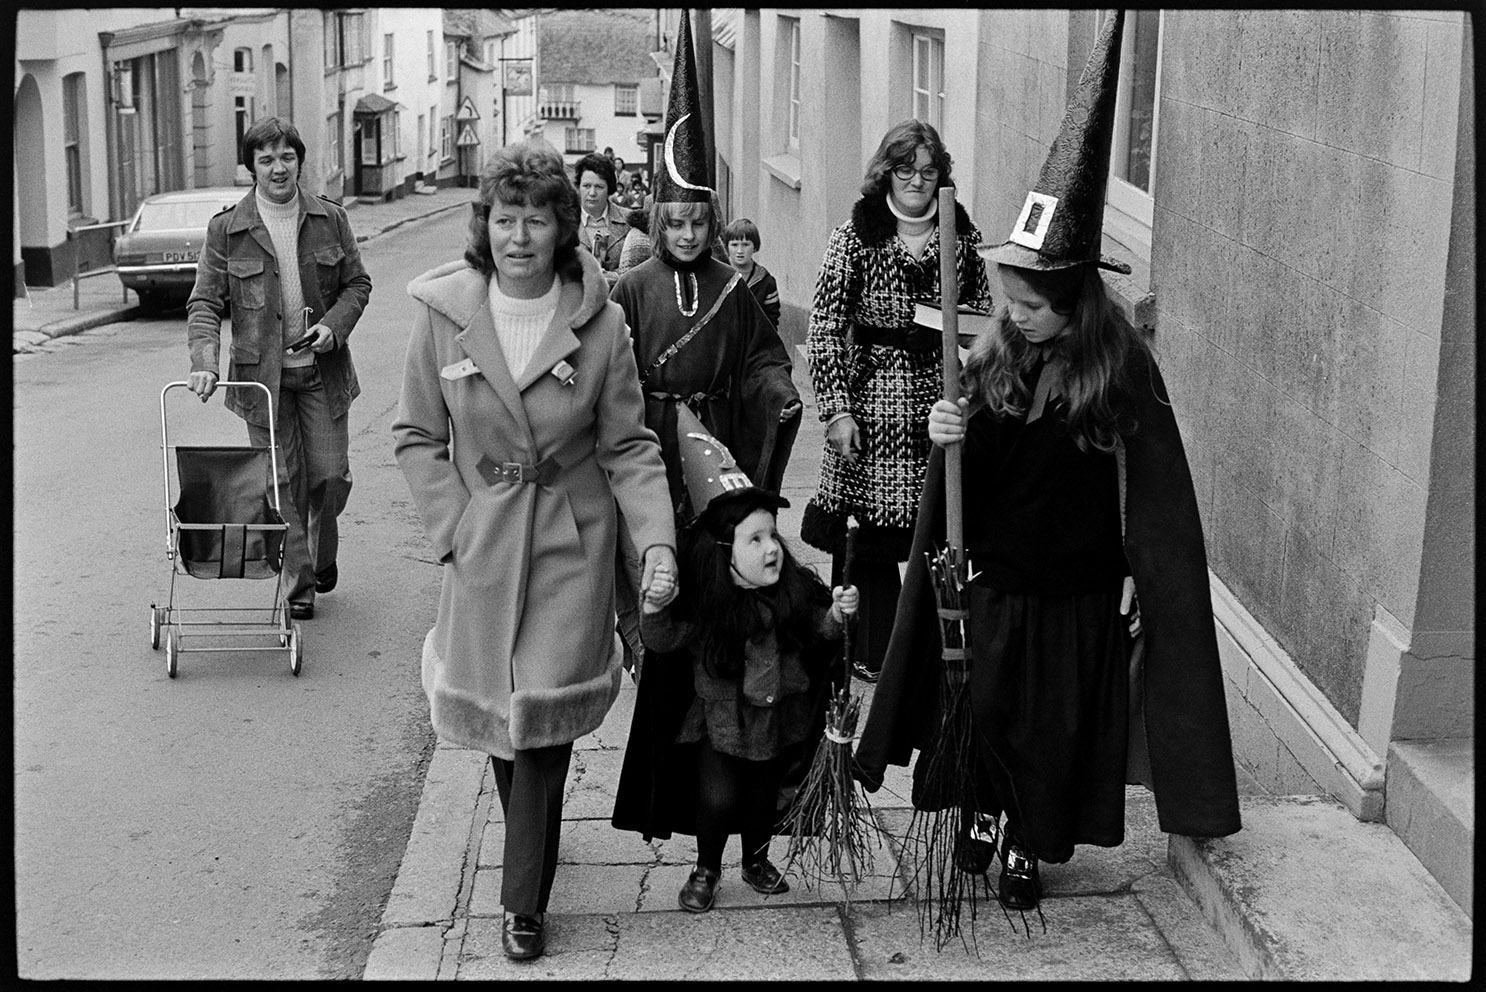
513, 473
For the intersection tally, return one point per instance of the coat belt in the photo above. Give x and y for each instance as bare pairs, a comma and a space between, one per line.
517, 473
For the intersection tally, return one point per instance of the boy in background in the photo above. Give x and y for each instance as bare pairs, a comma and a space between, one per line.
741, 239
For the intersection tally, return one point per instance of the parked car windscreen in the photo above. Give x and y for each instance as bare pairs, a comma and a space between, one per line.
176, 216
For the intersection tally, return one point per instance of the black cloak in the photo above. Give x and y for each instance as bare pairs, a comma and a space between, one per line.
1178, 720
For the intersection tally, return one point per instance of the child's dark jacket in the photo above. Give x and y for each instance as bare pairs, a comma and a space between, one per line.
1185, 722
657, 793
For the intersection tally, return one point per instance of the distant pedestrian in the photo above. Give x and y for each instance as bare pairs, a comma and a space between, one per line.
292, 335
1082, 499
602, 227
730, 709
520, 430
637, 247
741, 239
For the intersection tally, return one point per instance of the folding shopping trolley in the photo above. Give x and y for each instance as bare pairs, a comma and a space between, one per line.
226, 524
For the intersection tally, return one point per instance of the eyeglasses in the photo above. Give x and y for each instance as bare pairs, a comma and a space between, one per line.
907, 172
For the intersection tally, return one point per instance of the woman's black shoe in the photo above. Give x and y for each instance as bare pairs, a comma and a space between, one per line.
765, 878
699, 891
863, 673
1020, 886
523, 937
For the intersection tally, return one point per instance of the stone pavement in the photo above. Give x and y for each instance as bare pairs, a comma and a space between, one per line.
1304, 891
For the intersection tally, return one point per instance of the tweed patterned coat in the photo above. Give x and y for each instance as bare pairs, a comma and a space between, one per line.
869, 278
523, 653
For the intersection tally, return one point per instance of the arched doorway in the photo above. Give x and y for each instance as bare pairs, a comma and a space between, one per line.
34, 266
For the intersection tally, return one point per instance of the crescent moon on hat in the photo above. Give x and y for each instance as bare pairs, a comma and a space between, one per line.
671, 159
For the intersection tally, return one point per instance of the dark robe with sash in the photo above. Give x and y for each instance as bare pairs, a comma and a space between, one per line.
734, 372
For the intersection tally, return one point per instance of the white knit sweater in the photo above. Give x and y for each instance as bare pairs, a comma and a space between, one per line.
520, 324
282, 221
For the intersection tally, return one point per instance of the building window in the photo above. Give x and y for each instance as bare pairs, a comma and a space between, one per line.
626, 99
369, 151
579, 139
1133, 154
928, 79
387, 82
794, 83
433, 69
242, 60
345, 39
451, 52
73, 94
446, 137
490, 56
397, 134
433, 131
242, 113
418, 135
334, 130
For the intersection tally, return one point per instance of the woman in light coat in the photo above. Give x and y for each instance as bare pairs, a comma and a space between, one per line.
521, 424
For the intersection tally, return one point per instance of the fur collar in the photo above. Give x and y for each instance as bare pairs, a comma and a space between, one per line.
875, 223
456, 290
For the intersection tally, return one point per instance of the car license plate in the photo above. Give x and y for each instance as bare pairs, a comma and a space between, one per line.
179, 256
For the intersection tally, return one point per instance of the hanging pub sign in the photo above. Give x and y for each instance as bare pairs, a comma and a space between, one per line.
518, 77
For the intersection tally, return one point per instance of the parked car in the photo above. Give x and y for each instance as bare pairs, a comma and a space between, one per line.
156, 254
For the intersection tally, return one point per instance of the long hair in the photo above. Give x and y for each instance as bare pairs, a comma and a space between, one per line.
900, 147
1096, 347
527, 173
663, 210
727, 614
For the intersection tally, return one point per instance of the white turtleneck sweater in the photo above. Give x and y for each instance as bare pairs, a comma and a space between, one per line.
520, 324
282, 221
914, 232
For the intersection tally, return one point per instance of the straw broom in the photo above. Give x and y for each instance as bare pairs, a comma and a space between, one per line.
831, 826
947, 787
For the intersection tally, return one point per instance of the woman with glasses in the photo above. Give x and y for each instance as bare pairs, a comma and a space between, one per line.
876, 375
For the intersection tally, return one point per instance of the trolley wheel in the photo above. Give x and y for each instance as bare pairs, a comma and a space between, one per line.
296, 650
156, 613
171, 651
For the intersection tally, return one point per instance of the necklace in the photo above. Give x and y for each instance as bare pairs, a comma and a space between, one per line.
695, 297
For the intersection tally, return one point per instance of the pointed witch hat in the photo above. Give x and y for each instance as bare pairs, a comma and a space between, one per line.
683, 175
713, 478
1062, 221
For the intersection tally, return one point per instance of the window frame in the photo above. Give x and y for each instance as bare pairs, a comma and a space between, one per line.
633, 103
433, 65
579, 147
388, 75
446, 138
792, 130
1129, 210
932, 95
335, 131
74, 97
451, 60
396, 133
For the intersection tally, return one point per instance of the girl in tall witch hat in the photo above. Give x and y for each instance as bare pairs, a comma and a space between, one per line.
1084, 499
700, 337
730, 708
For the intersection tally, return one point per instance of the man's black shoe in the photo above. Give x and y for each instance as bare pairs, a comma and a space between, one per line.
302, 611
523, 937
325, 578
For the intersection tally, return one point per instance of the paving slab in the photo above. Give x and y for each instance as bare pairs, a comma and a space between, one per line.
1308, 892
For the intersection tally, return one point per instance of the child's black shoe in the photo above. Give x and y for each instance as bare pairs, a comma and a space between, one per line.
765, 878
699, 892
1020, 885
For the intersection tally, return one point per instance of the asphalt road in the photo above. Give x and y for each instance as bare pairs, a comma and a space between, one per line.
236, 821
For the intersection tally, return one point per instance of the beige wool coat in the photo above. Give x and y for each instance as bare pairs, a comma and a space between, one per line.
524, 652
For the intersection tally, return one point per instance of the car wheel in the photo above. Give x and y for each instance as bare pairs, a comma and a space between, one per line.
151, 300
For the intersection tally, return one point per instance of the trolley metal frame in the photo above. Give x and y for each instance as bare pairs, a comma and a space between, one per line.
175, 620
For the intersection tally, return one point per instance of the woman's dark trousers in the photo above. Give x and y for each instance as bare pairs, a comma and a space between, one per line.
531, 790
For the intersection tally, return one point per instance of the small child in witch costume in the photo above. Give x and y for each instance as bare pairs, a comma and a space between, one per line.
1082, 498
730, 708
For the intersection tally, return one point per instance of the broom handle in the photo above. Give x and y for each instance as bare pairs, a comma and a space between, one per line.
846, 559
949, 295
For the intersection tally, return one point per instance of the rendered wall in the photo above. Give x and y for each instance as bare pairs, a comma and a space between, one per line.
1303, 215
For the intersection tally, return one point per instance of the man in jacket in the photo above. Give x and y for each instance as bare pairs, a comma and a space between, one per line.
288, 264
